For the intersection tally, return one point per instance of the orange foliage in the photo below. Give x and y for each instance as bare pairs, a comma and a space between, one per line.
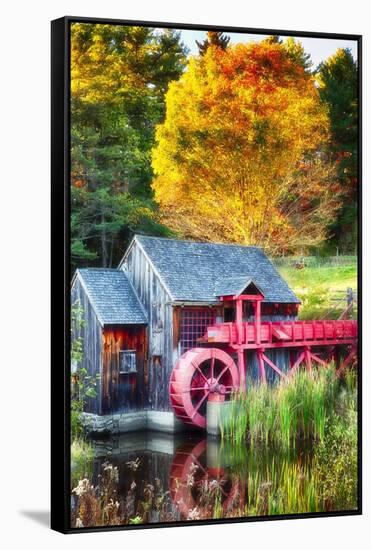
240, 125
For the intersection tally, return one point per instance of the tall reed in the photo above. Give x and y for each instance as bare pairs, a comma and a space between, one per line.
296, 408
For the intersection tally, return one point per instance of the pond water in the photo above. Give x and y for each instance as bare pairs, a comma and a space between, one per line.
151, 477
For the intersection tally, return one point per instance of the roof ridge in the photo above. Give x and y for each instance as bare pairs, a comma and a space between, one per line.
94, 268
135, 292
190, 270
139, 235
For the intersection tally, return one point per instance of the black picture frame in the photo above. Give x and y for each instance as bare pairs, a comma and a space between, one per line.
60, 268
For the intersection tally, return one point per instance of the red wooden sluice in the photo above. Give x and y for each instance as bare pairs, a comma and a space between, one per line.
203, 374
282, 334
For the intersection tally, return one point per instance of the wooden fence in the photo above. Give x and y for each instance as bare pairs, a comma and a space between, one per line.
314, 261
344, 304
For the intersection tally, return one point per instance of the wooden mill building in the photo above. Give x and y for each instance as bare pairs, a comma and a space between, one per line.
140, 318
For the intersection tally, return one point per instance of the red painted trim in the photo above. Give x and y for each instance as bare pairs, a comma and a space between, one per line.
258, 321
318, 359
292, 344
297, 362
311, 333
263, 377
250, 297
273, 366
308, 360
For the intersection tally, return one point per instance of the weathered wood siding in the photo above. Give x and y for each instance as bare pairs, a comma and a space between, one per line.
156, 302
124, 392
91, 334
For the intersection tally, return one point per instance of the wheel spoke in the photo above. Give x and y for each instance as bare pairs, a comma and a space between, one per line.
212, 368
200, 371
198, 463
221, 374
200, 403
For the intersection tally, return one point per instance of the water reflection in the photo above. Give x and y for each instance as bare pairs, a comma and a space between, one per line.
161, 478
201, 479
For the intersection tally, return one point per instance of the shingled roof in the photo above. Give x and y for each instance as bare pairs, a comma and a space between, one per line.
194, 271
234, 286
112, 296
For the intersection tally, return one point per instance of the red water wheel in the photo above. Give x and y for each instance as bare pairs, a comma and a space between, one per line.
199, 375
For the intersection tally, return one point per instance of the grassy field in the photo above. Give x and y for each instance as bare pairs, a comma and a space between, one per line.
317, 286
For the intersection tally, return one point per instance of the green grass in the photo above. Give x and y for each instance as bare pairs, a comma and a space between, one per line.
296, 408
316, 286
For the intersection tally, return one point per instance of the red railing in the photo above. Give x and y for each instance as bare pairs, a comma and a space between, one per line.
283, 334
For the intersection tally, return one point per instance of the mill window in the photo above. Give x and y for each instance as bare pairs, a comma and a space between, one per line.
128, 362
193, 324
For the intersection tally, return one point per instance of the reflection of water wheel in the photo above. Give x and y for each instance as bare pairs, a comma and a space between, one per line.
199, 375
190, 476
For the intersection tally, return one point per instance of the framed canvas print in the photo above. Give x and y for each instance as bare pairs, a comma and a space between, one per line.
205, 274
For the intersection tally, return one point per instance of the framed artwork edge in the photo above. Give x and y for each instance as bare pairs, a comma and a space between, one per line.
60, 271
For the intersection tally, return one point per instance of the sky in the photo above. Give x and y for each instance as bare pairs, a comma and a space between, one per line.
319, 48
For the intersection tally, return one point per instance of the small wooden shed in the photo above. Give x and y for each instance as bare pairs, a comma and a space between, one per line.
113, 333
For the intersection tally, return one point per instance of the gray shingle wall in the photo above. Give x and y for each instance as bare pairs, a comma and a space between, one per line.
192, 271
112, 296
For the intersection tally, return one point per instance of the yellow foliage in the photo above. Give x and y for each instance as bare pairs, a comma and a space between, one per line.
239, 124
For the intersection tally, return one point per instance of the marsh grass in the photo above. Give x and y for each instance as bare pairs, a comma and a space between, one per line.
82, 457
285, 488
317, 409
296, 408
102, 504
335, 464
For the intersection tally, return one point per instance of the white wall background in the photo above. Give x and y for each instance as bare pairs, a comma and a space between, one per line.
24, 274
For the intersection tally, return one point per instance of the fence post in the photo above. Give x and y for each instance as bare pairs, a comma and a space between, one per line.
350, 302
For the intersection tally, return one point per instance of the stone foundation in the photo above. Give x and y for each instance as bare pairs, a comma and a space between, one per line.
156, 442
132, 422
216, 410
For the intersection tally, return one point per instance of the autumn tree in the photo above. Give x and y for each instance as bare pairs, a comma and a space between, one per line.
239, 155
119, 76
338, 80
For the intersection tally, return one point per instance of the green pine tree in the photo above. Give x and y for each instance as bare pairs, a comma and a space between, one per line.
338, 80
297, 53
119, 77
213, 39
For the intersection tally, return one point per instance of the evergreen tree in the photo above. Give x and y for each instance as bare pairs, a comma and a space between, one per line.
273, 39
213, 39
119, 76
338, 81
297, 53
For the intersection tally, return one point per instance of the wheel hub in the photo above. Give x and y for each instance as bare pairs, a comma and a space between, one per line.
212, 386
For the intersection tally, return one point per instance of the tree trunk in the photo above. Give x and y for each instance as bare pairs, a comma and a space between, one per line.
111, 252
104, 242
